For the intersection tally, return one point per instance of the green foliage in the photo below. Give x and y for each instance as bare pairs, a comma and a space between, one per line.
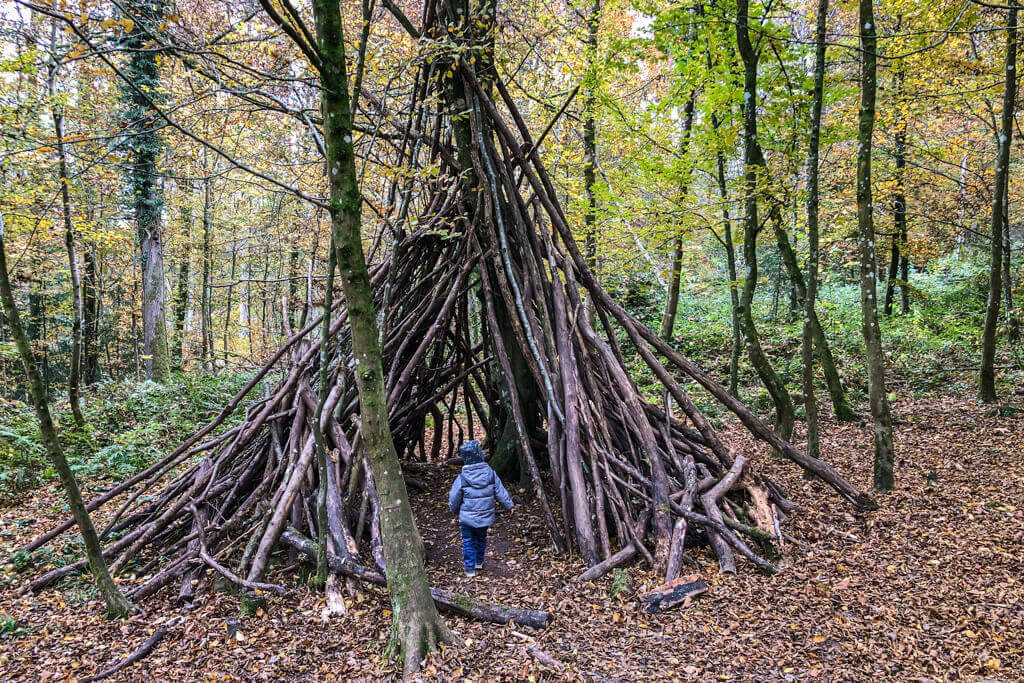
250, 603
128, 425
622, 583
9, 627
934, 348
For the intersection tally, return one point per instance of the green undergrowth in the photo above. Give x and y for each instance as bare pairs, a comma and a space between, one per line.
935, 349
128, 426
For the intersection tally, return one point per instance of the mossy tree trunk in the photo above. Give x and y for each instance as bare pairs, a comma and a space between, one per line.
146, 146
807, 341
730, 262
117, 604
471, 24
75, 371
882, 417
205, 303
753, 163
590, 146
90, 317
668, 318
987, 378
181, 292
418, 627
1012, 324
898, 245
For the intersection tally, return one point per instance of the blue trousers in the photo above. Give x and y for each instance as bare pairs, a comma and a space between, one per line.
474, 545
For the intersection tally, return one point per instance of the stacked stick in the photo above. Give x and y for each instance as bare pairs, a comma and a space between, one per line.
616, 475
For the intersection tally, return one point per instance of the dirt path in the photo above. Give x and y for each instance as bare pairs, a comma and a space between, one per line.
440, 531
930, 587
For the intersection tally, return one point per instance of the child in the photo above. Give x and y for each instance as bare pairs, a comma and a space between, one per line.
472, 496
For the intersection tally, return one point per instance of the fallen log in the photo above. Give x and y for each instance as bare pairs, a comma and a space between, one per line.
447, 601
617, 560
673, 593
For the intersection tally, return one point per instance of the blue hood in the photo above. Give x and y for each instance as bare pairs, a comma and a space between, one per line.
472, 453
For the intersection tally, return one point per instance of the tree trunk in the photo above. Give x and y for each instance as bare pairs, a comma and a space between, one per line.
90, 317
904, 277
752, 161
181, 297
668, 318
292, 310
840, 405
470, 23
117, 605
75, 371
807, 341
987, 380
884, 455
1012, 324
146, 148
231, 291
899, 203
730, 260
418, 628
205, 304
154, 306
590, 147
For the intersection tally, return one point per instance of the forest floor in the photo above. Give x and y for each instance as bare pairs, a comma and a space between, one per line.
930, 587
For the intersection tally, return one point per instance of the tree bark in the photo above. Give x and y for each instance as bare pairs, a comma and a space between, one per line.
730, 261
840, 404
1012, 324
90, 317
205, 304
117, 605
147, 147
884, 454
904, 277
75, 371
668, 318
590, 147
899, 204
987, 378
418, 628
470, 23
807, 341
753, 161
181, 297
231, 292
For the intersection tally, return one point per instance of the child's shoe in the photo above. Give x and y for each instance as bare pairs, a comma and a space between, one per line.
479, 565
470, 573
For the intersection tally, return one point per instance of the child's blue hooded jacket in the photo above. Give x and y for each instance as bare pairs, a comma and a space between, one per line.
475, 489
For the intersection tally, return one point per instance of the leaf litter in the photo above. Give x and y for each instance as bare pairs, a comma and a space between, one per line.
928, 588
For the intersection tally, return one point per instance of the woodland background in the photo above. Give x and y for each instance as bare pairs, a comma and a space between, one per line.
642, 104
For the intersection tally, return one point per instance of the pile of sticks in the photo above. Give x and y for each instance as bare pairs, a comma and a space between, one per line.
616, 475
